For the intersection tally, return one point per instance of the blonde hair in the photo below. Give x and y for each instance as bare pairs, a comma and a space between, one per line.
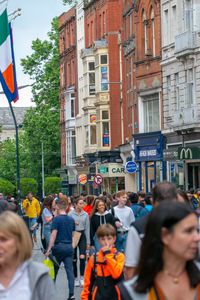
12, 225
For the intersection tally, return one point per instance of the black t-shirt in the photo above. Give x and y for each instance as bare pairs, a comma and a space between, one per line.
65, 225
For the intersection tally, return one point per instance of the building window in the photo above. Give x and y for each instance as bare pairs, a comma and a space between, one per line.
104, 59
72, 106
93, 134
169, 95
105, 115
105, 134
91, 78
86, 136
153, 32
71, 147
151, 113
177, 91
189, 89
174, 21
166, 26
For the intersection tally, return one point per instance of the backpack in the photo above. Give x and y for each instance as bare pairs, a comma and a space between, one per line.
107, 281
137, 214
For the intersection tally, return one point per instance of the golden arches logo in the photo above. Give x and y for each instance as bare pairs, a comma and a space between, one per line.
187, 153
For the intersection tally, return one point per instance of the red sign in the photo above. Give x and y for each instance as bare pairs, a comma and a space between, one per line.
82, 179
98, 179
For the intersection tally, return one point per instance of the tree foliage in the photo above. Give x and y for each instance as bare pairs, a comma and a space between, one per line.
52, 185
40, 124
6, 187
28, 185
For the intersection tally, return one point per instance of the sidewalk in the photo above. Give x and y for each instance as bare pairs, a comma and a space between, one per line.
61, 282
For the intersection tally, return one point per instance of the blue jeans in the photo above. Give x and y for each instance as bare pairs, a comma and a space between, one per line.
97, 246
121, 241
65, 253
47, 233
32, 222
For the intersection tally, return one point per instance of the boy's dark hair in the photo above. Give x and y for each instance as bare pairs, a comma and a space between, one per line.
133, 197
61, 203
105, 230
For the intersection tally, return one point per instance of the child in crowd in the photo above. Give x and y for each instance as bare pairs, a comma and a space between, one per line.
104, 269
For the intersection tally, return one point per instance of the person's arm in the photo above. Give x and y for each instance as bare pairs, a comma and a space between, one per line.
48, 219
92, 231
87, 231
24, 204
37, 207
52, 240
132, 253
115, 265
87, 279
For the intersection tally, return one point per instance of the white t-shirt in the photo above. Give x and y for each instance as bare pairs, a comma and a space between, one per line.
126, 217
19, 288
133, 246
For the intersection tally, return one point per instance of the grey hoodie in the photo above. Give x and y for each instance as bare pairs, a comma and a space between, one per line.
41, 284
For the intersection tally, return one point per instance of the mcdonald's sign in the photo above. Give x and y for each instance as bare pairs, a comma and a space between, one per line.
188, 153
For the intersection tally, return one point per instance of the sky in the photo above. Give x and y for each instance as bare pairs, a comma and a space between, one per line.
34, 22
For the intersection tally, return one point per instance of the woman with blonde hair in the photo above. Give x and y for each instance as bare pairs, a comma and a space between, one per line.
20, 277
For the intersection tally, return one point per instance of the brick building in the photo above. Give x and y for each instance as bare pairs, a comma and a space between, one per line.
68, 96
143, 89
103, 106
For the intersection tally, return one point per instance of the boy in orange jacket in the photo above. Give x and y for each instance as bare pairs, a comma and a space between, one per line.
104, 269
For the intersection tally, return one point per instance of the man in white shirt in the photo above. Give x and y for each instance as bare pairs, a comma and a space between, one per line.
125, 217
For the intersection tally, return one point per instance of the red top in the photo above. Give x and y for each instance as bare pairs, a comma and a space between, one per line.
87, 209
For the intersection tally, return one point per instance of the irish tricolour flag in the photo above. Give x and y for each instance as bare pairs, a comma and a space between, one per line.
7, 62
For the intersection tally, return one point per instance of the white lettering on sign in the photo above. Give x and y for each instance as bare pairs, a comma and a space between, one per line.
148, 153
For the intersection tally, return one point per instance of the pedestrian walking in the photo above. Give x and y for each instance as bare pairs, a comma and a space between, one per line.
60, 243
167, 268
82, 222
163, 191
125, 217
104, 270
99, 215
47, 218
20, 277
31, 207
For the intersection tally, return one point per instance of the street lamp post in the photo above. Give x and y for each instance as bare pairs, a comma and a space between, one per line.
17, 155
43, 194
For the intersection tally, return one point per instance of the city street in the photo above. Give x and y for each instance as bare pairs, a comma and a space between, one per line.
61, 283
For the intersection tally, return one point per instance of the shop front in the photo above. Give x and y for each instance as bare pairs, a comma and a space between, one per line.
113, 177
148, 149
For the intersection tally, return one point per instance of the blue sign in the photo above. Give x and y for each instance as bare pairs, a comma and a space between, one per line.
131, 167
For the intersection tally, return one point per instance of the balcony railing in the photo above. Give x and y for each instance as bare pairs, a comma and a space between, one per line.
185, 43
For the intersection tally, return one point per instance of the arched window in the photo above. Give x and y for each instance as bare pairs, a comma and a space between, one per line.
152, 33
144, 19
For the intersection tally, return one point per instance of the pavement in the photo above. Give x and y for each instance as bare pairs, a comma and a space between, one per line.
61, 281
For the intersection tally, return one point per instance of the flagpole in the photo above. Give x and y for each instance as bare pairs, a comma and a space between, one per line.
18, 165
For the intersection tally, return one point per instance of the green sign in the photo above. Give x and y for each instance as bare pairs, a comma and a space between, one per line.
188, 153
103, 170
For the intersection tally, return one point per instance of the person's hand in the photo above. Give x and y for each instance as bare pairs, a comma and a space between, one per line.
47, 253
33, 227
107, 247
118, 224
92, 247
27, 204
77, 223
88, 246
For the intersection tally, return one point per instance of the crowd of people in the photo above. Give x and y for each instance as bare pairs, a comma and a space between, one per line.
123, 246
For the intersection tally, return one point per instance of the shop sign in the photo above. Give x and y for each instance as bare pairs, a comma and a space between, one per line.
92, 119
188, 153
131, 167
170, 154
64, 184
82, 179
103, 169
148, 154
116, 170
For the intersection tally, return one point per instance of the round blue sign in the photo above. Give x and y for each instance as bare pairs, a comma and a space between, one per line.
131, 167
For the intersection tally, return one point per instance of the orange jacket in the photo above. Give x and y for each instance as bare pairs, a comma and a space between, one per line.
113, 267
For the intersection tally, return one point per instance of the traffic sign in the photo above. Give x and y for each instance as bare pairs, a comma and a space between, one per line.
82, 179
131, 167
98, 179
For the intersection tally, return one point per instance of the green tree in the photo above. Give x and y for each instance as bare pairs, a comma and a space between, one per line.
52, 185
40, 124
6, 187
